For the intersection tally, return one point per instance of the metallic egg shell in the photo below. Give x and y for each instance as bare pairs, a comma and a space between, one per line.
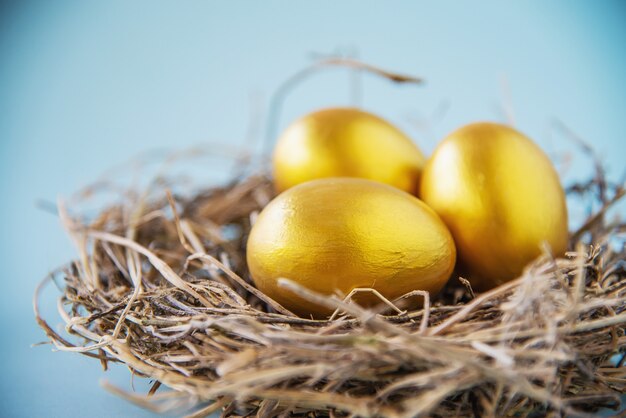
501, 198
346, 142
338, 234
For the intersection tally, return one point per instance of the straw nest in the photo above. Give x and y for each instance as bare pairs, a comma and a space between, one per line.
161, 285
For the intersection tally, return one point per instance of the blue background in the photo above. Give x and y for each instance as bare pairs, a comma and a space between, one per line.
84, 85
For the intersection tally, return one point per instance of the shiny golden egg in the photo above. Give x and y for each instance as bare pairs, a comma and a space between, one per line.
346, 142
338, 234
501, 198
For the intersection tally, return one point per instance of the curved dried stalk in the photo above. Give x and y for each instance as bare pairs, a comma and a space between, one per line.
277, 99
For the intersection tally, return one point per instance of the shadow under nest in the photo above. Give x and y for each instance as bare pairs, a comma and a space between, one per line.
161, 286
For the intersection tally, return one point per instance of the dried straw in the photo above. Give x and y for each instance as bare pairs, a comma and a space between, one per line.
160, 284
160, 287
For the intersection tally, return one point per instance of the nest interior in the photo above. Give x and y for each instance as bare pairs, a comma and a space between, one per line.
160, 285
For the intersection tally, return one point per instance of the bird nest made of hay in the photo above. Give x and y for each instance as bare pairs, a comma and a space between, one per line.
161, 286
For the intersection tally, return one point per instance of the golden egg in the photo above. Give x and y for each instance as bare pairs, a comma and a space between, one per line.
346, 142
501, 198
338, 234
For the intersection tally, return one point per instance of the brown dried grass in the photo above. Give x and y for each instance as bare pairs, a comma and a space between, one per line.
160, 287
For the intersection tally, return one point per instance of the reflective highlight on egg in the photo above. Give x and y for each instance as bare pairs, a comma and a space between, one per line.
346, 142
343, 233
501, 198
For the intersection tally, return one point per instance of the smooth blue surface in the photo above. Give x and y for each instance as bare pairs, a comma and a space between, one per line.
84, 85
